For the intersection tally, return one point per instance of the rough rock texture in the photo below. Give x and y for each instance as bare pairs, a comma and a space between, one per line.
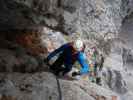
121, 56
99, 16
101, 19
126, 30
26, 51
10, 61
117, 71
51, 39
43, 86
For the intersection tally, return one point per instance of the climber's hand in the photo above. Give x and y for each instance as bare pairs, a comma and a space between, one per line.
75, 73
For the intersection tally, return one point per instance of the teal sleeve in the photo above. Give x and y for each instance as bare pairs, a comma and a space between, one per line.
83, 62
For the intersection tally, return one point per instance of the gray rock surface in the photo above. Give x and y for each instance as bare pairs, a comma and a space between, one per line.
97, 20
117, 72
85, 16
51, 39
10, 62
43, 86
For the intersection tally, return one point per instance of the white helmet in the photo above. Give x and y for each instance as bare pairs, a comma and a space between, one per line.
78, 45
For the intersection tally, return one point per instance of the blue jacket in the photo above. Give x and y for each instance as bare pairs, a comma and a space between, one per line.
70, 58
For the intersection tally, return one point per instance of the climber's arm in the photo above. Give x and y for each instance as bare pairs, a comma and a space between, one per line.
55, 52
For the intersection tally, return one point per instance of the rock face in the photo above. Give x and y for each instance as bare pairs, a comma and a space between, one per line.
120, 59
30, 83
86, 16
43, 86
27, 50
103, 19
11, 61
117, 70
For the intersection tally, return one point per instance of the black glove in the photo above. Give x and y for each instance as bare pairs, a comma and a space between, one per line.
75, 73
46, 61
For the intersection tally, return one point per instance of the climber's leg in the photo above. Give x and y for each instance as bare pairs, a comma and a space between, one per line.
57, 65
67, 69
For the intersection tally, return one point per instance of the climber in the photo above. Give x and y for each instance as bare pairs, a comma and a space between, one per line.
96, 61
68, 54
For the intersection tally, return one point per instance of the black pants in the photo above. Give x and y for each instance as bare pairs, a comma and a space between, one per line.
57, 66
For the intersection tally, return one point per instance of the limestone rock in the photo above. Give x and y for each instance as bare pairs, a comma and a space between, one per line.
43, 86
10, 61
86, 16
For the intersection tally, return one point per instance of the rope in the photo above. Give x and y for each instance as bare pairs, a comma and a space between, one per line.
58, 82
59, 88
